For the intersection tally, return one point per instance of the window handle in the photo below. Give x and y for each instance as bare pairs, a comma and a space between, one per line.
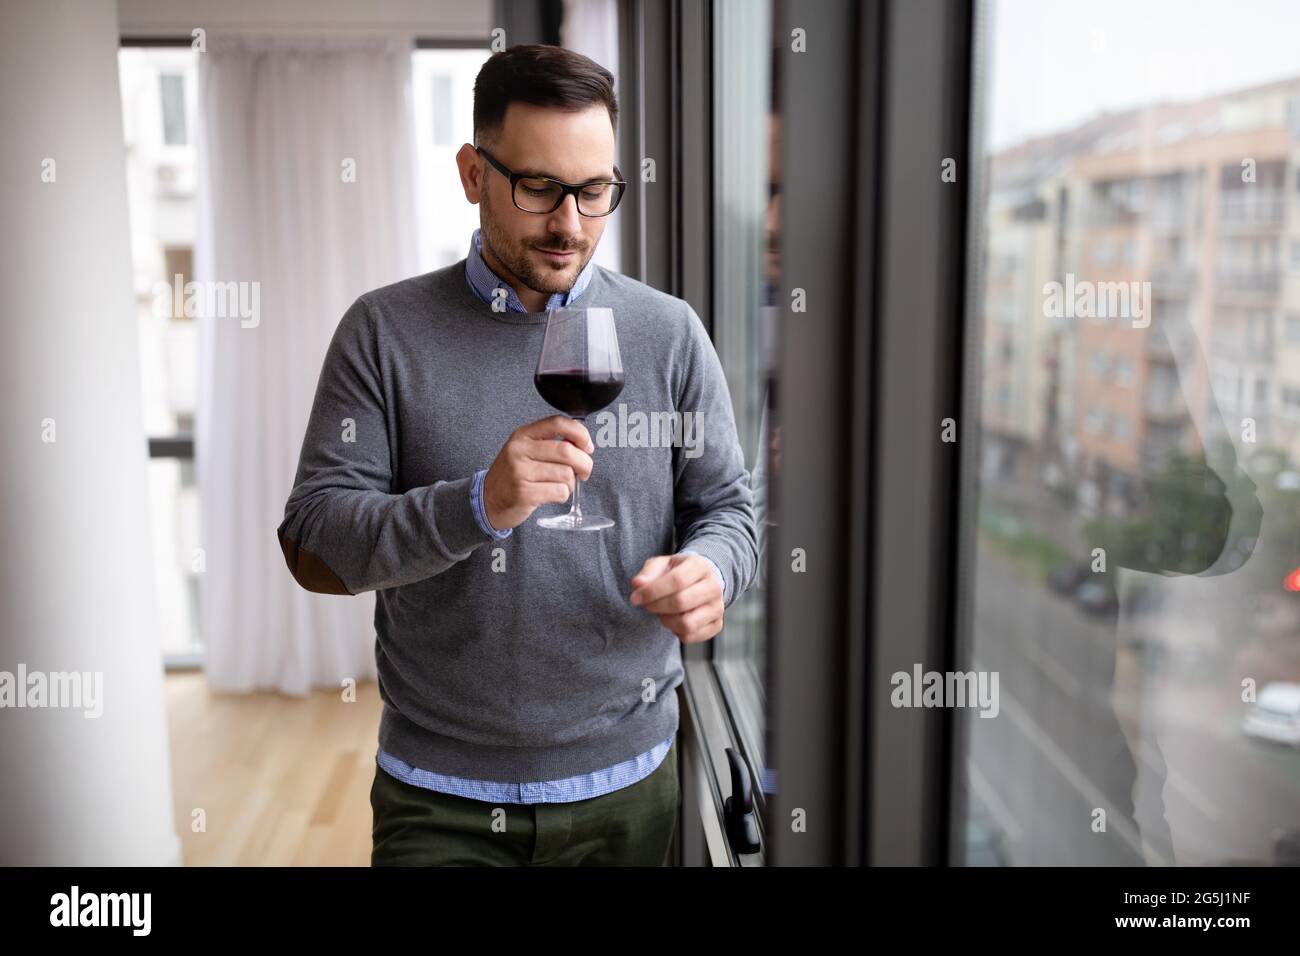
738, 810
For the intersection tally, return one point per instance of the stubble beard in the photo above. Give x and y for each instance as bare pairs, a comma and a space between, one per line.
549, 279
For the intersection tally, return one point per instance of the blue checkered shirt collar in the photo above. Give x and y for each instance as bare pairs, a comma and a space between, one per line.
485, 282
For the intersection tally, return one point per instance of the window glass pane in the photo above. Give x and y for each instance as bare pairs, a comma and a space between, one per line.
174, 509
172, 91
160, 191
745, 279
156, 83
443, 114
1134, 518
443, 85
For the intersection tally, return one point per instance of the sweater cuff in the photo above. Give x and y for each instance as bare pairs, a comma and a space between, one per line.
480, 512
716, 570
456, 527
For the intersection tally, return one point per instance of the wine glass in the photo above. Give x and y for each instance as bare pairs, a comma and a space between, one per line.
579, 372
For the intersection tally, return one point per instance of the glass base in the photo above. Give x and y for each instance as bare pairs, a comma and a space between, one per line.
566, 522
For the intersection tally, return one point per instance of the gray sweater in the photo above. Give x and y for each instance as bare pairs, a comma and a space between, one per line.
519, 658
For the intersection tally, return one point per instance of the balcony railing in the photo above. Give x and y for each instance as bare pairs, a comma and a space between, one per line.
1173, 216
1249, 282
1252, 209
1103, 213
1231, 348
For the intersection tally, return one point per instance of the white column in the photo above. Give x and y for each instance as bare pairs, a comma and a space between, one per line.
76, 575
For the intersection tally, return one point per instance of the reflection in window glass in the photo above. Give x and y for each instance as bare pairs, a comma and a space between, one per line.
746, 207
1135, 516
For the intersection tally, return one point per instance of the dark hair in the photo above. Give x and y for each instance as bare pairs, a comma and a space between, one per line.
540, 75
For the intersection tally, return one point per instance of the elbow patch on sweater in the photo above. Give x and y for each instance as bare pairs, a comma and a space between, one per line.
309, 570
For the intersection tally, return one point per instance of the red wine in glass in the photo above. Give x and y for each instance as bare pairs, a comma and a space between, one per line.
576, 392
579, 372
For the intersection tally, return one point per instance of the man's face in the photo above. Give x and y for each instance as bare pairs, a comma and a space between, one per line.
573, 147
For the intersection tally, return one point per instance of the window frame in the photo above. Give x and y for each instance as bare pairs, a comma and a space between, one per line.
873, 783
666, 82
927, 369
178, 446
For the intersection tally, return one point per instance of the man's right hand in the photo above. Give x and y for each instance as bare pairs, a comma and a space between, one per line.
534, 469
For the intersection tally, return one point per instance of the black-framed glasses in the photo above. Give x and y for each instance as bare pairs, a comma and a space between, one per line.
542, 195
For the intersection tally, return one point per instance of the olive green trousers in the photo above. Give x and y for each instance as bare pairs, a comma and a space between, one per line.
632, 826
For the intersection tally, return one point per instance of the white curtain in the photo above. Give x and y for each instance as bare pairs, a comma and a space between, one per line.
590, 27
305, 188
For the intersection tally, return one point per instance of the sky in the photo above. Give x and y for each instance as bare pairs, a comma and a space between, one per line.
1055, 63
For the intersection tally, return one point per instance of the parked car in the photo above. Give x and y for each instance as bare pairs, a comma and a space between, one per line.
1094, 597
1275, 714
1092, 592
1065, 579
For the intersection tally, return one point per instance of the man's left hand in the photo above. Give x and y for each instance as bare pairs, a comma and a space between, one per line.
684, 592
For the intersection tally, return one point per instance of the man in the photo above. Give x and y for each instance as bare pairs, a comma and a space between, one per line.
528, 675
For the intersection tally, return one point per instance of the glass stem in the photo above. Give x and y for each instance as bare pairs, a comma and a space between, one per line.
575, 512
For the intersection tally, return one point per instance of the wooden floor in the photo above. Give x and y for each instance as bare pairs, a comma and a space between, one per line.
281, 781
